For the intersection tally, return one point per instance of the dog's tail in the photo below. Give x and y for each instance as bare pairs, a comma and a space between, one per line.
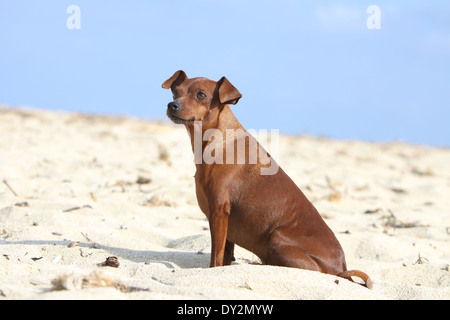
350, 273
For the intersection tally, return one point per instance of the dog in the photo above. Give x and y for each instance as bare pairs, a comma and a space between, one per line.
266, 214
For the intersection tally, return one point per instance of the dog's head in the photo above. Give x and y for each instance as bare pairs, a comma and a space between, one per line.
198, 99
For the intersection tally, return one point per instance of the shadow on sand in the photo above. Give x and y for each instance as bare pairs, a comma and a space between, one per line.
170, 259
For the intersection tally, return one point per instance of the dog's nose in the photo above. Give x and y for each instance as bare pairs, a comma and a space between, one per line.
174, 106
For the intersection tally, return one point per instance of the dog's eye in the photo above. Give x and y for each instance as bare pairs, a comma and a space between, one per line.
201, 96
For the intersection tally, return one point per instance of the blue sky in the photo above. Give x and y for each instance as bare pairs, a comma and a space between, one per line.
302, 66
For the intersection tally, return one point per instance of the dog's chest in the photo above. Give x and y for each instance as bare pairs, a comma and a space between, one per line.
202, 199
210, 188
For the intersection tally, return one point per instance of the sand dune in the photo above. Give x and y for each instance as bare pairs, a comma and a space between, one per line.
76, 189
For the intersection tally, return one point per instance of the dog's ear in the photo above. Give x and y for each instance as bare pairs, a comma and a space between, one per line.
228, 94
175, 80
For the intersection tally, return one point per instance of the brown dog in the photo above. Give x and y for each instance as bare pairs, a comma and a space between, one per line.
266, 214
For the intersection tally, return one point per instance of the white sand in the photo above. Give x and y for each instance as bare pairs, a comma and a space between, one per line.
58, 161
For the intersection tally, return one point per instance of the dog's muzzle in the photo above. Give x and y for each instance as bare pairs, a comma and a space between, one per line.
172, 112
173, 106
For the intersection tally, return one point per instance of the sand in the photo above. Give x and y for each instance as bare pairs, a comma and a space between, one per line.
76, 189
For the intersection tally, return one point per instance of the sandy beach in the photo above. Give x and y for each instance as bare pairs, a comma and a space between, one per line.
77, 189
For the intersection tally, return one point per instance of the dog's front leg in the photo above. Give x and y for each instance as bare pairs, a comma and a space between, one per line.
218, 225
